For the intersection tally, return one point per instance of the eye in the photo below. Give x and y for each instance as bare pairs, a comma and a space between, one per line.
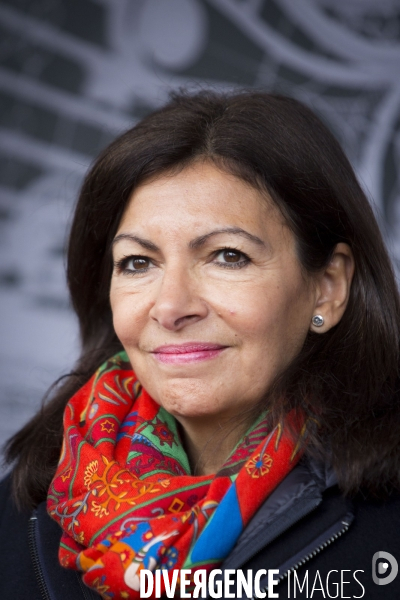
229, 257
133, 264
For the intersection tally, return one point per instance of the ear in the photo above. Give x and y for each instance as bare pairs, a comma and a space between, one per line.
333, 288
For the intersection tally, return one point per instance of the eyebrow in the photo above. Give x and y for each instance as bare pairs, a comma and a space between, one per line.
196, 243
135, 238
199, 241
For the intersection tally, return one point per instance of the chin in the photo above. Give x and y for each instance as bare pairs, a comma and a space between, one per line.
187, 410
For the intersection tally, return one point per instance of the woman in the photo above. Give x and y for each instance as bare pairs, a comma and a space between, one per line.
235, 405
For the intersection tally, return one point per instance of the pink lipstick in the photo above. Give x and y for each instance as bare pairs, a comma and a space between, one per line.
187, 353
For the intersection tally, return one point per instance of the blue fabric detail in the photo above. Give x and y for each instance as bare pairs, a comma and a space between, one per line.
217, 539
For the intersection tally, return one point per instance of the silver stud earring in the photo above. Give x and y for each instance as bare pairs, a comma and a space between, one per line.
318, 320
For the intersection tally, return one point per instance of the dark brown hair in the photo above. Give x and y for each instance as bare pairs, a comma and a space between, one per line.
346, 377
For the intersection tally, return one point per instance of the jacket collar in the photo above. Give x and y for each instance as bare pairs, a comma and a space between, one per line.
296, 496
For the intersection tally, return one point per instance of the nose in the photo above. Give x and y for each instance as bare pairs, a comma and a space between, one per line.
178, 302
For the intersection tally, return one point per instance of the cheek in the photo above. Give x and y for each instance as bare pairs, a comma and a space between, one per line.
128, 316
252, 307
273, 316
287, 322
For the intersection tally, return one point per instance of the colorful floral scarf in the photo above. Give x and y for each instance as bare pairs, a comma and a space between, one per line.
124, 496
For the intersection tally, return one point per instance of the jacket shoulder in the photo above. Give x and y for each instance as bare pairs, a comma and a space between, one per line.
18, 576
333, 547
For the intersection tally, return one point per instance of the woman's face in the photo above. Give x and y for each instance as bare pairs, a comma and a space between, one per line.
207, 293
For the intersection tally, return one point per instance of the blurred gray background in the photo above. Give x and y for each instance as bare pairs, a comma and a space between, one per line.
76, 73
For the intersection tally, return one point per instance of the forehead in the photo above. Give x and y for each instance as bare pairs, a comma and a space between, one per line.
198, 196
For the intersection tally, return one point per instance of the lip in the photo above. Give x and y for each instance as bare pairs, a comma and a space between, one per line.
188, 352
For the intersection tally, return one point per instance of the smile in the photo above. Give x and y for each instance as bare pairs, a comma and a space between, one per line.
187, 353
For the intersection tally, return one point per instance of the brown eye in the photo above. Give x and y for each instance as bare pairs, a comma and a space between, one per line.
131, 265
231, 256
138, 263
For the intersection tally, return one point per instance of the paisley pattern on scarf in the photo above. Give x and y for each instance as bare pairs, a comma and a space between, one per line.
124, 495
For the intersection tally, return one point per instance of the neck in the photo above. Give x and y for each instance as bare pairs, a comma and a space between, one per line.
209, 445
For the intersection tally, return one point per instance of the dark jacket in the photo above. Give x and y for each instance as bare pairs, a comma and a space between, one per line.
305, 527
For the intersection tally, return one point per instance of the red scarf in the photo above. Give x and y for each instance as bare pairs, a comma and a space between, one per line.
124, 496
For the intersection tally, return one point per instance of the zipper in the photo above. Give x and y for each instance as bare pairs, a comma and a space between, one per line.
309, 508
86, 593
336, 531
35, 559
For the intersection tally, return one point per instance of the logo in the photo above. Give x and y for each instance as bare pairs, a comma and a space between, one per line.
384, 563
